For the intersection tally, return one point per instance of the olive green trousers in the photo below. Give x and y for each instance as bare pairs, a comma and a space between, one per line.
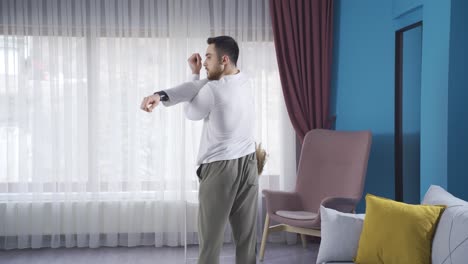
228, 191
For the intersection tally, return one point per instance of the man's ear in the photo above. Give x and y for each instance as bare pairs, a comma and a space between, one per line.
225, 60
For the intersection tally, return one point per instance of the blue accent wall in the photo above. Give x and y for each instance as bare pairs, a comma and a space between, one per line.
458, 107
363, 86
363, 83
403, 7
406, 12
434, 93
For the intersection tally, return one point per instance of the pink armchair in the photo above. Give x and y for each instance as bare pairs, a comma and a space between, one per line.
332, 170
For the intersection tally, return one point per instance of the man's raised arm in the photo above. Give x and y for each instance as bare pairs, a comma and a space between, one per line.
184, 92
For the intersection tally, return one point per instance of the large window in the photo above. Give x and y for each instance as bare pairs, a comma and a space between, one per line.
78, 158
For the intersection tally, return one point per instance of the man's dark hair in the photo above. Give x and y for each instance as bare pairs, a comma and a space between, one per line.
225, 45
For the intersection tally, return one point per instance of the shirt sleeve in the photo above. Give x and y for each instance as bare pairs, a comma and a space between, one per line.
201, 105
194, 77
184, 92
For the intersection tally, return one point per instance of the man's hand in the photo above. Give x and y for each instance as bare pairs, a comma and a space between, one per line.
150, 102
195, 63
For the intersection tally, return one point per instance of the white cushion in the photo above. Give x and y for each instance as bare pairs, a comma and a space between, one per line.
438, 195
340, 234
298, 215
450, 243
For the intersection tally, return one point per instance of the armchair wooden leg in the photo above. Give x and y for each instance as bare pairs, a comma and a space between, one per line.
264, 237
304, 240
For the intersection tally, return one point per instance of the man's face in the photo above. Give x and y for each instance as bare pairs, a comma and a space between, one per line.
213, 64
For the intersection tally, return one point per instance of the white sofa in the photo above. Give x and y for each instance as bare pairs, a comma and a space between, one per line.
449, 245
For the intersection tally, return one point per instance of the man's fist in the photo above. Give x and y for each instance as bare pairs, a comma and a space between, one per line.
195, 63
150, 102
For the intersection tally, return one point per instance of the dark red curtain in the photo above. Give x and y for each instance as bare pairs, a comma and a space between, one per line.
303, 34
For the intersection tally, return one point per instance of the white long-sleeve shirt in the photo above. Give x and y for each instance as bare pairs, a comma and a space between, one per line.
227, 109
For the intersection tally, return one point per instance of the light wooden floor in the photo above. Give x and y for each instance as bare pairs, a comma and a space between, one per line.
274, 254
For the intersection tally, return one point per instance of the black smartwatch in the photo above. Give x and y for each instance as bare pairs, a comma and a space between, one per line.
162, 95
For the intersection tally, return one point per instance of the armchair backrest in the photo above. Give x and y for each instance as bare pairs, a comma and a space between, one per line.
332, 163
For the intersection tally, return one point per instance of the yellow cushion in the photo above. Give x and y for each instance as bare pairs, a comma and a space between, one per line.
395, 232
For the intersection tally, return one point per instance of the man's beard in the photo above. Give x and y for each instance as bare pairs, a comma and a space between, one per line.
214, 74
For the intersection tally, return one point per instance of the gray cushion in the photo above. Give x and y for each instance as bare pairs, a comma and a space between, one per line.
340, 235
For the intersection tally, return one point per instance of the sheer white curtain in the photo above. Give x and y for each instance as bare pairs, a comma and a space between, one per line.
80, 164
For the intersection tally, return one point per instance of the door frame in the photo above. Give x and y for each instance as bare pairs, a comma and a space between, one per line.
399, 109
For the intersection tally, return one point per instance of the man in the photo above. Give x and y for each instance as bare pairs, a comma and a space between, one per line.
228, 165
